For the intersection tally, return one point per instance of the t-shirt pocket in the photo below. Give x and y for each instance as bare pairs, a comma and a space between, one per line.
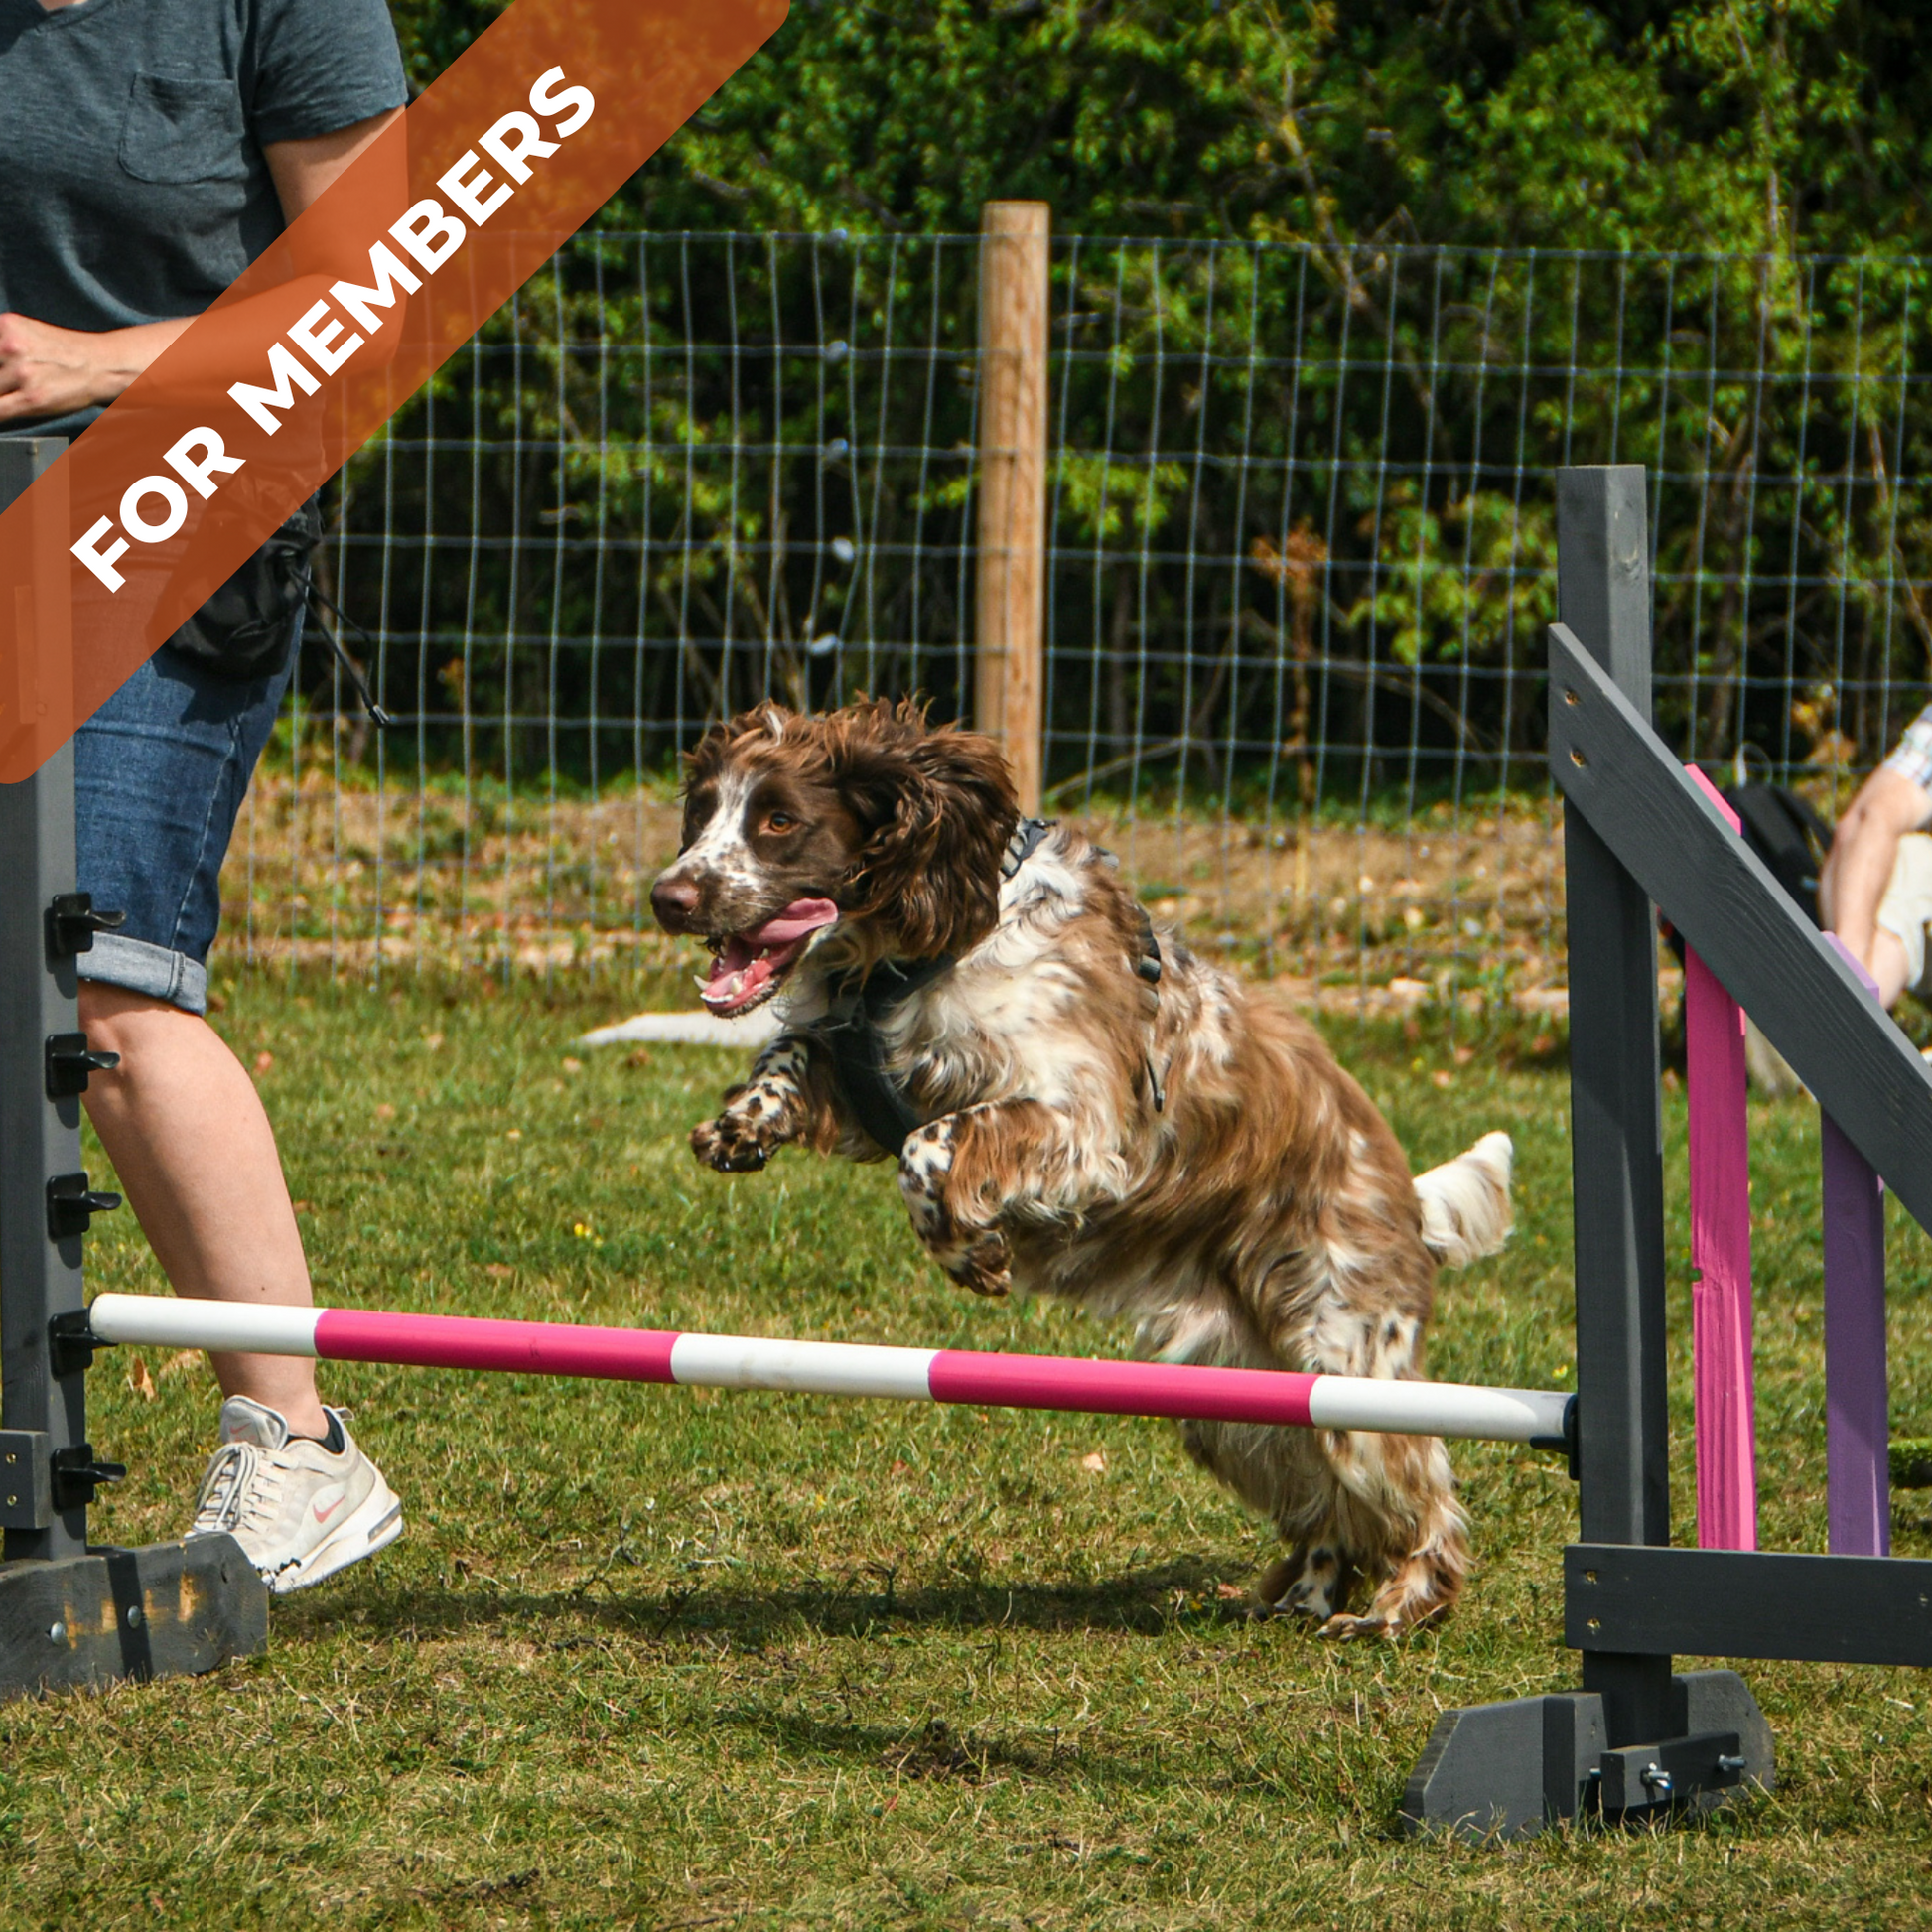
180, 129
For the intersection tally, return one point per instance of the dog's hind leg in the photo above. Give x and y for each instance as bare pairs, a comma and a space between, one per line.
1397, 1515
1392, 1514
1314, 1580
1282, 1473
1346, 1504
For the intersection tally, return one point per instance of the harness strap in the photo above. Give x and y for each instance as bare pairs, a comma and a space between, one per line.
1024, 842
1149, 963
1148, 966
856, 1047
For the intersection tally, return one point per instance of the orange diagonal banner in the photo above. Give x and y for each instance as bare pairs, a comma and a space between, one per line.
319, 343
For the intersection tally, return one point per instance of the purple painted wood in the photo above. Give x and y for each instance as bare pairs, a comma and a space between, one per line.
1857, 1400
1720, 1254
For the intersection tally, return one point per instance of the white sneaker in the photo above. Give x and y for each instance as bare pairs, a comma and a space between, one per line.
299, 1512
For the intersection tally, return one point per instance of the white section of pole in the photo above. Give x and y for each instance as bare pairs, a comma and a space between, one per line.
161, 1322
812, 1367
1438, 1409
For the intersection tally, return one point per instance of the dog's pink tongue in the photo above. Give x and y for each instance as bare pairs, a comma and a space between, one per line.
745, 965
802, 916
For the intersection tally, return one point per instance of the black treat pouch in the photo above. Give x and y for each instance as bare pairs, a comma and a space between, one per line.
1788, 835
246, 630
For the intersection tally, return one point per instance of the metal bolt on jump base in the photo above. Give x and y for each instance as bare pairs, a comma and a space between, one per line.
71, 1612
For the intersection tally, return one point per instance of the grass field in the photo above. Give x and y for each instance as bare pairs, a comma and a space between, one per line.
684, 1658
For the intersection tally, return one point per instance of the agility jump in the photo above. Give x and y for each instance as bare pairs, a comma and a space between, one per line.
1638, 1739
1541, 1418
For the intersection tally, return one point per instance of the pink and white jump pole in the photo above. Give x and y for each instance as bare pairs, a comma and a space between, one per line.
1539, 1417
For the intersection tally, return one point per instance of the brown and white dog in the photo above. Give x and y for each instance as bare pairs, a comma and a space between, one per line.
1149, 1140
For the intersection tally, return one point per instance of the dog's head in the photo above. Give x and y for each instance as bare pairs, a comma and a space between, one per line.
866, 820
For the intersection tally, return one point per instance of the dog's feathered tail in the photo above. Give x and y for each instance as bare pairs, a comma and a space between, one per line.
1465, 1211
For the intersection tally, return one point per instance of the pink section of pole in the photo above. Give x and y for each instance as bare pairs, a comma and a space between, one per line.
1122, 1388
1858, 1421
1720, 1253
468, 1341
954, 1375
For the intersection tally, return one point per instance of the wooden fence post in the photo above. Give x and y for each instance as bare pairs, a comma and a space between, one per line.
1009, 679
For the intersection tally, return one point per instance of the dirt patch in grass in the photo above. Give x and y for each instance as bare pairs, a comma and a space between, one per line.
1459, 906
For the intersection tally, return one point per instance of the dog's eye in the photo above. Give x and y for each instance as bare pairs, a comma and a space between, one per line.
779, 822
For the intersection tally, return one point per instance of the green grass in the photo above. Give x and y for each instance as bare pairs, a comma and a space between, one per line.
684, 1658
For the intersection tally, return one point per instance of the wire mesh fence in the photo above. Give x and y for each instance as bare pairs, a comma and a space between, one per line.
1300, 552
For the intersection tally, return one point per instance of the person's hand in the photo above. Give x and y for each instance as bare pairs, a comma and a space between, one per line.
46, 371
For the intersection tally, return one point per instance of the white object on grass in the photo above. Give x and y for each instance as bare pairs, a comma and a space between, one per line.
689, 1029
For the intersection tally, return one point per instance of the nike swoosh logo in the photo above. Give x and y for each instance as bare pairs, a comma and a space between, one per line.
323, 1515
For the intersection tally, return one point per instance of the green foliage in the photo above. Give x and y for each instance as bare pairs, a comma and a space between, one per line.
1751, 125
710, 467
1737, 126
1098, 498
1461, 584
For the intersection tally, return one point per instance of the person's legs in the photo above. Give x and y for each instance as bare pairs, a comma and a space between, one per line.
159, 776
1898, 950
186, 1130
1889, 966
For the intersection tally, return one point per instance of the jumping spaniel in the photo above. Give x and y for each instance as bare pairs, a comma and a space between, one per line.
1079, 1108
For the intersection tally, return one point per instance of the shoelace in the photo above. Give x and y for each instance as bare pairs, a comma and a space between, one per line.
242, 1485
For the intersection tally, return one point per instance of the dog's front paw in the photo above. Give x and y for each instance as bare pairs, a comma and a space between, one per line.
975, 1256
1343, 1629
734, 1145
986, 1266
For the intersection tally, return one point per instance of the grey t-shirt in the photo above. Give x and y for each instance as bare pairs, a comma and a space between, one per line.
132, 183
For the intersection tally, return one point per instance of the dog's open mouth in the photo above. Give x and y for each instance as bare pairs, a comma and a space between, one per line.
749, 967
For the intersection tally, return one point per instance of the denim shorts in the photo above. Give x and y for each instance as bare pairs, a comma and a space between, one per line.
159, 773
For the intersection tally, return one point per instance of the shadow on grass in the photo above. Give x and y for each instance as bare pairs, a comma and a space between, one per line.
674, 1627
1146, 1602
933, 1751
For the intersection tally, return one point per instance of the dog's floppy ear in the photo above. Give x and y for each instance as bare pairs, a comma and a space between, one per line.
704, 760
941, 809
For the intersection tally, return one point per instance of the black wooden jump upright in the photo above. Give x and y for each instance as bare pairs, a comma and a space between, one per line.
1638, 1739
71, 1612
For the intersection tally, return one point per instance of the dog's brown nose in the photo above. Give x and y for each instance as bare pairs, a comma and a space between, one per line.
674, 901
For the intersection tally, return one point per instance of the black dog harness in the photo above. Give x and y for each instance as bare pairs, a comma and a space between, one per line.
853, 1033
